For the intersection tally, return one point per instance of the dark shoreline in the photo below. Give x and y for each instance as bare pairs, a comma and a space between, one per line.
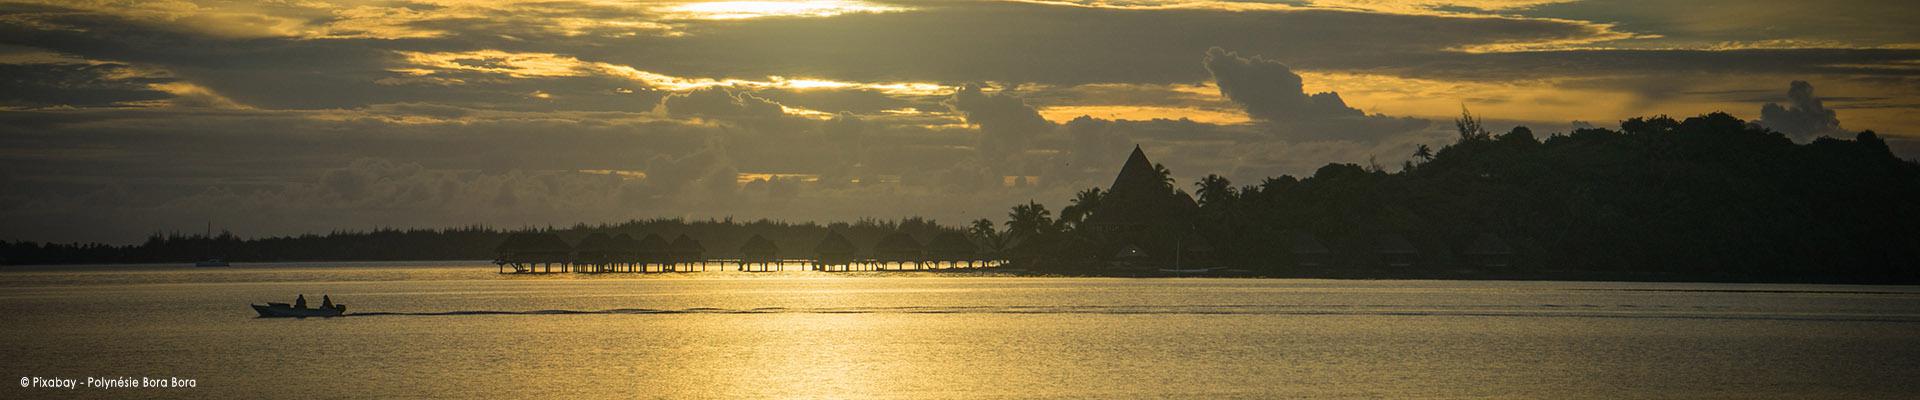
1562, 276
1460, 275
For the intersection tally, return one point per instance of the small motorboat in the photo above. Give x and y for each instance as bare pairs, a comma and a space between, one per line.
284, 310
211, 262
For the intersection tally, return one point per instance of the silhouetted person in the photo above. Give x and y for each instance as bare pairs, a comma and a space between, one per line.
326, 302
300, 302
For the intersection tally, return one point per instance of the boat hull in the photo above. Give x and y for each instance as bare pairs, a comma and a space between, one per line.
279, 311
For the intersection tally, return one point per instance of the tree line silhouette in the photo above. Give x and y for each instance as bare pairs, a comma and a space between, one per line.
722, 237
1706, 197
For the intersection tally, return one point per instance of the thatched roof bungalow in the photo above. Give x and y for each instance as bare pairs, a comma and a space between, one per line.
686, 249
654, 250
758, 248
1129, 257
899, 246
1488, 251
1395, 251
834, 249
1306, 250
625, 248
952, 246
594, 249
532, 248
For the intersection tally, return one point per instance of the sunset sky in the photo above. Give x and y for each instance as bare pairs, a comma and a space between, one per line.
123, 118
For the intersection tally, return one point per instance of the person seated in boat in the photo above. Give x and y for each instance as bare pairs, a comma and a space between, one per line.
326, 302
300, 302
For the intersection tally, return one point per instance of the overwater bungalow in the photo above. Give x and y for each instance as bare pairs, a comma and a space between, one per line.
759, 255
526, 251
594, 253
1488, 251
1394, 251
1130, 257
834, 252
687, 252
953, 248
900, 249
625, 253
653, 250
1306, 250
1034, 250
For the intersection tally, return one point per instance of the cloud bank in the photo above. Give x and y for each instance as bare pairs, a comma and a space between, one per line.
1804, 117
121, 119
1271, 92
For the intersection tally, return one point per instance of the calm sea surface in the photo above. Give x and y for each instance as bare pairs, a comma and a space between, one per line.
461, 331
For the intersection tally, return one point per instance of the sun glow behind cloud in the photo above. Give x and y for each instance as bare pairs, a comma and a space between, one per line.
1062, 114
549, 65
717, 10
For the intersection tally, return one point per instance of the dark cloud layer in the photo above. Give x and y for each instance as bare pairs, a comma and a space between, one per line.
120, 121
722, 103
1006, 123
1270, 91
74, 84
1018, 42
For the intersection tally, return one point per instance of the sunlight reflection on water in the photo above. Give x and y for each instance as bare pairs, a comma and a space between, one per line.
462, 331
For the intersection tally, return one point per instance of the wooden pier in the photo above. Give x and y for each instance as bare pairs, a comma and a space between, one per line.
595, 253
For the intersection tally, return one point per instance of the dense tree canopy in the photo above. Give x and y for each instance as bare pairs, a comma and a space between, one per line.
721, 238
1705, 196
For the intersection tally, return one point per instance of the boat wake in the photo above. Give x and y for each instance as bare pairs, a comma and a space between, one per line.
1538, 311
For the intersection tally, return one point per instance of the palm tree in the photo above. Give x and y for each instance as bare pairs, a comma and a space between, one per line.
1166, 175
1423, 153
1215, 191
983, 232
1028, 220
1083, 205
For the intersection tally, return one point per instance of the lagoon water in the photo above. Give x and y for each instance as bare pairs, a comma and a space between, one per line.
461, 331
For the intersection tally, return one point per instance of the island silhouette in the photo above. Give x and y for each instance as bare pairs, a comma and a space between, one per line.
1709, 197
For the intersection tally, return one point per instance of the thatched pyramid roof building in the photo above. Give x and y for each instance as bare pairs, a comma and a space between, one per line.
1137, 177
1141, 197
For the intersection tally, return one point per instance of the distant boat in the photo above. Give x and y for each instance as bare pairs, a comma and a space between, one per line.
1187, 271
284, 310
